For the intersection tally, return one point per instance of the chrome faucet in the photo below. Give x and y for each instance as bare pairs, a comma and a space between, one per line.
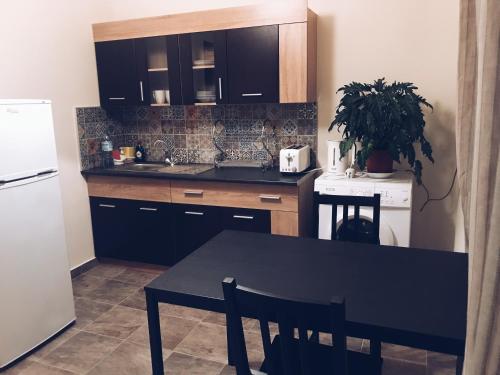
168, 152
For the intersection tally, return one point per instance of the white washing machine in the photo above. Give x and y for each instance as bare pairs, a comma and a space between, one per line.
395, 204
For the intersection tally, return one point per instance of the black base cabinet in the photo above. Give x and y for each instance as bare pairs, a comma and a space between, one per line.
133, 230
194, 225
151, 235
163, 233
110, 226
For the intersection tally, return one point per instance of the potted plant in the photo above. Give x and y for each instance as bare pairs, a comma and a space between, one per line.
387, 119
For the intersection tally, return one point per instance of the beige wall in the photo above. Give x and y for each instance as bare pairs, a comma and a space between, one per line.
48, 53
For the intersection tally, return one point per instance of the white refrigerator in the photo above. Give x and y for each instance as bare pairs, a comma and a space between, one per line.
36, 297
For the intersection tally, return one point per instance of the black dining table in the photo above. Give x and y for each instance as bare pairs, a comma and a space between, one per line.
406, 296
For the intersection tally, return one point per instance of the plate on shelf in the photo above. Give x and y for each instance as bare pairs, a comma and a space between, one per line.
203, 62
380, 175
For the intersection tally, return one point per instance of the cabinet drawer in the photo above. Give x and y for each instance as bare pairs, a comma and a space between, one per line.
246, 220
263, 197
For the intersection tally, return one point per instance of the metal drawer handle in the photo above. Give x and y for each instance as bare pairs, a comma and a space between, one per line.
116, 98
243, 217
220, 88
194, 213
193, 192
270, 197
107, 205
142, 91
148, 209
252, 94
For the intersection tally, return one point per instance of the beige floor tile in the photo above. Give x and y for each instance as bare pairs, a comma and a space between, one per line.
28, 367
173, 331
88, 310
404, 353
81, 352
181, 364
84, 284
441, 364
137, 277
55, 342
119, 322
127, 359
207, 341
182, 312
228, 370
106, 270
136, 300
112, 291
395, 367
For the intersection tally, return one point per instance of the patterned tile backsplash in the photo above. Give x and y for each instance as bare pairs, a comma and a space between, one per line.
187, 130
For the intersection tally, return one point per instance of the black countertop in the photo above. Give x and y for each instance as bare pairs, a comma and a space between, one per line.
230, 174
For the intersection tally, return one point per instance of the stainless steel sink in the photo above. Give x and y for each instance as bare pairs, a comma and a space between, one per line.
186, 168
142, 167
164, 168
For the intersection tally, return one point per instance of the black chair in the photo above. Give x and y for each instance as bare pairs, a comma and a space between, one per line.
285, 354
354, 229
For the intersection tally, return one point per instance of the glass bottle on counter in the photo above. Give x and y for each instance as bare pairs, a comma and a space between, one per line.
107, 152
140, 153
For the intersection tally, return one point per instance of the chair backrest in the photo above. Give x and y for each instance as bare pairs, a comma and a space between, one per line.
290, 315
351, 228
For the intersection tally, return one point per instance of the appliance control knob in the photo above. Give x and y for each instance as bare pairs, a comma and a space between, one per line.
294, 169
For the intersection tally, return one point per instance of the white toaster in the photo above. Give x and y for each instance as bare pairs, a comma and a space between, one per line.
295, 159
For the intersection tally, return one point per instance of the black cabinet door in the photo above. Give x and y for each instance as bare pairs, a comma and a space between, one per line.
117, 73
194, 226
151, 237
253, 64
246, 220
111, 227
159, 70
203, 67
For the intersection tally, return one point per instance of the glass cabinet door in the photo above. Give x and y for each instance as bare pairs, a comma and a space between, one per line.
203, 67
160, 85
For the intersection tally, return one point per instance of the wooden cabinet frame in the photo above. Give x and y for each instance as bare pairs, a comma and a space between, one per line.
290, 206
297, 39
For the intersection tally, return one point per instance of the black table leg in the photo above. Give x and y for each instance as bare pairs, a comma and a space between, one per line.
154, 334
460, 365
376, 353
230, 354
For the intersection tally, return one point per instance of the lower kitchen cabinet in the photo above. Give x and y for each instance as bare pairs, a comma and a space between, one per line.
110, 226
246, 219
133, 230
151, 237
194, 225
164, 233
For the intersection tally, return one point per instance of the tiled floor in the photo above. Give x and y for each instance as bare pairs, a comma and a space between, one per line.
110, 336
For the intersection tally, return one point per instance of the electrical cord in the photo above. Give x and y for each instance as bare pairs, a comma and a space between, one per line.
429, 199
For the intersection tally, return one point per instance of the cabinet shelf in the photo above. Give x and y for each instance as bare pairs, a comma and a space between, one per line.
158, 70
198, 67
208, 103
160, 105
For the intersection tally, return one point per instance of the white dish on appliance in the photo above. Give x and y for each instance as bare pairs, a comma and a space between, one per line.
380, 176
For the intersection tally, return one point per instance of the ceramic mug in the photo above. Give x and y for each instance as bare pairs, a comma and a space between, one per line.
159, 96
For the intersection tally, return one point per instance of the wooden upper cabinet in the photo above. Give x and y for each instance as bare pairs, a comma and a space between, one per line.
258, 53
203, 68
297, 51
253, 64
117, 73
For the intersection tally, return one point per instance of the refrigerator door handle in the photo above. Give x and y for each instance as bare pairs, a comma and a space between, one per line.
4, 184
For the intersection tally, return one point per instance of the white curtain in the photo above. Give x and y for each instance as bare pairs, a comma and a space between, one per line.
478, 141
